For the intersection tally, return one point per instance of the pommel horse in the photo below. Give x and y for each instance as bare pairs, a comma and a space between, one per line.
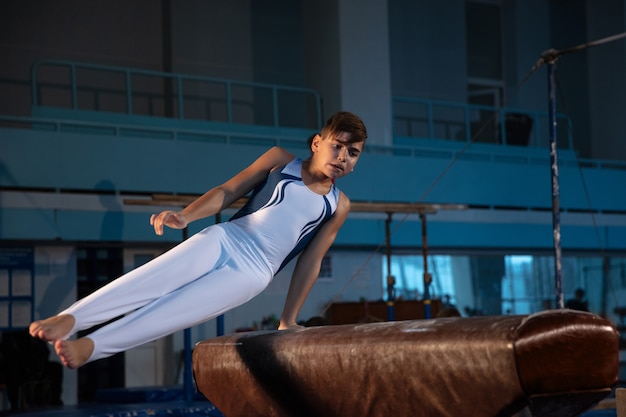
557, 363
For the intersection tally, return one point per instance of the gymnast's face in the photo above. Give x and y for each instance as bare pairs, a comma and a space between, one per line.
336, 155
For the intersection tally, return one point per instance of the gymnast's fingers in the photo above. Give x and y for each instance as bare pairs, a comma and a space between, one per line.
157, 221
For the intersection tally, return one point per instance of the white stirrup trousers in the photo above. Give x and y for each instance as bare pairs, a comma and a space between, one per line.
208, 274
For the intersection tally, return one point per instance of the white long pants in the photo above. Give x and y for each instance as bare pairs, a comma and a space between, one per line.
212, 272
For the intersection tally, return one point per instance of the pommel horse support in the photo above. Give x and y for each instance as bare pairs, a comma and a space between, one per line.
557, 362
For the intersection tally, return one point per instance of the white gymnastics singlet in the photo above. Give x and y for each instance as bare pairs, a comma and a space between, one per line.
215, 270
283, 214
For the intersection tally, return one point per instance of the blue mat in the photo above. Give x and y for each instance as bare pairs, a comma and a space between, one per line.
611, 412
145, 395
164, 409
170, 409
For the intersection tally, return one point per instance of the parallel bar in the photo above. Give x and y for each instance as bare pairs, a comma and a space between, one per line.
355, 206
188, 372
391, 281
427, 276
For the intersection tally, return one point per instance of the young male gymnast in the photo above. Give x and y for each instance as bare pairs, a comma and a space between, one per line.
294, 208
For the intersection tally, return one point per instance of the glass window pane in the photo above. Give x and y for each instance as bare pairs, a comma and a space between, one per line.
484, 51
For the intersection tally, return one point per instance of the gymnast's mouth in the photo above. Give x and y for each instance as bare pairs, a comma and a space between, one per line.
337, 167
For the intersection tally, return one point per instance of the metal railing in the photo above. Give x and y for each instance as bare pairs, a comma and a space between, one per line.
137, 92
81, 86
455, 121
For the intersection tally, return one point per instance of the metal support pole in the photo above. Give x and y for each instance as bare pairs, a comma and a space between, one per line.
427, 277
554, 169
188, 374
391, 281
220, 319
549, 58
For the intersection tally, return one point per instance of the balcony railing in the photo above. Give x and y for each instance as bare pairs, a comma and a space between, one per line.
416, 118
135, 92
138, 92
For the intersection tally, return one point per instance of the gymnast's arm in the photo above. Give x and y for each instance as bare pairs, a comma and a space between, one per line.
309, 263
222, 196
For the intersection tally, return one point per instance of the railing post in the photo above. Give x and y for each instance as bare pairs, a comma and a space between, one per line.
33, 84
73, 82
468, 125
502, 123
431, 125
181, 107
318, 105
275, 103
129, 100
229, 98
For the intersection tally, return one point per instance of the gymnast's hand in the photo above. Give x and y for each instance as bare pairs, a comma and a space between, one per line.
170, 218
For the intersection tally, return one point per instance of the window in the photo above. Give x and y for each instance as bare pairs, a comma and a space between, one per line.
485, 78
408, 271
484, 41
16, 287
511, 284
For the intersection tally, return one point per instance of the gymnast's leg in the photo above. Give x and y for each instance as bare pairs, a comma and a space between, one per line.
194, 303
164, 274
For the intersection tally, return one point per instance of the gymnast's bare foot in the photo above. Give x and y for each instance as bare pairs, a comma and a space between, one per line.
53, 328
74, 353
289, 326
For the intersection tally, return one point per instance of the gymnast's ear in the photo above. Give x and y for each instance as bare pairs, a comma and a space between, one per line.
315, 141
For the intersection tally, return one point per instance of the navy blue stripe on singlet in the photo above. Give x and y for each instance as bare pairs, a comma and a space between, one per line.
308, 232
262, 194
261, 197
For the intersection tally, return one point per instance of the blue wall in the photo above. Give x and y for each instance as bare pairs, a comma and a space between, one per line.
511, 183
508, 188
